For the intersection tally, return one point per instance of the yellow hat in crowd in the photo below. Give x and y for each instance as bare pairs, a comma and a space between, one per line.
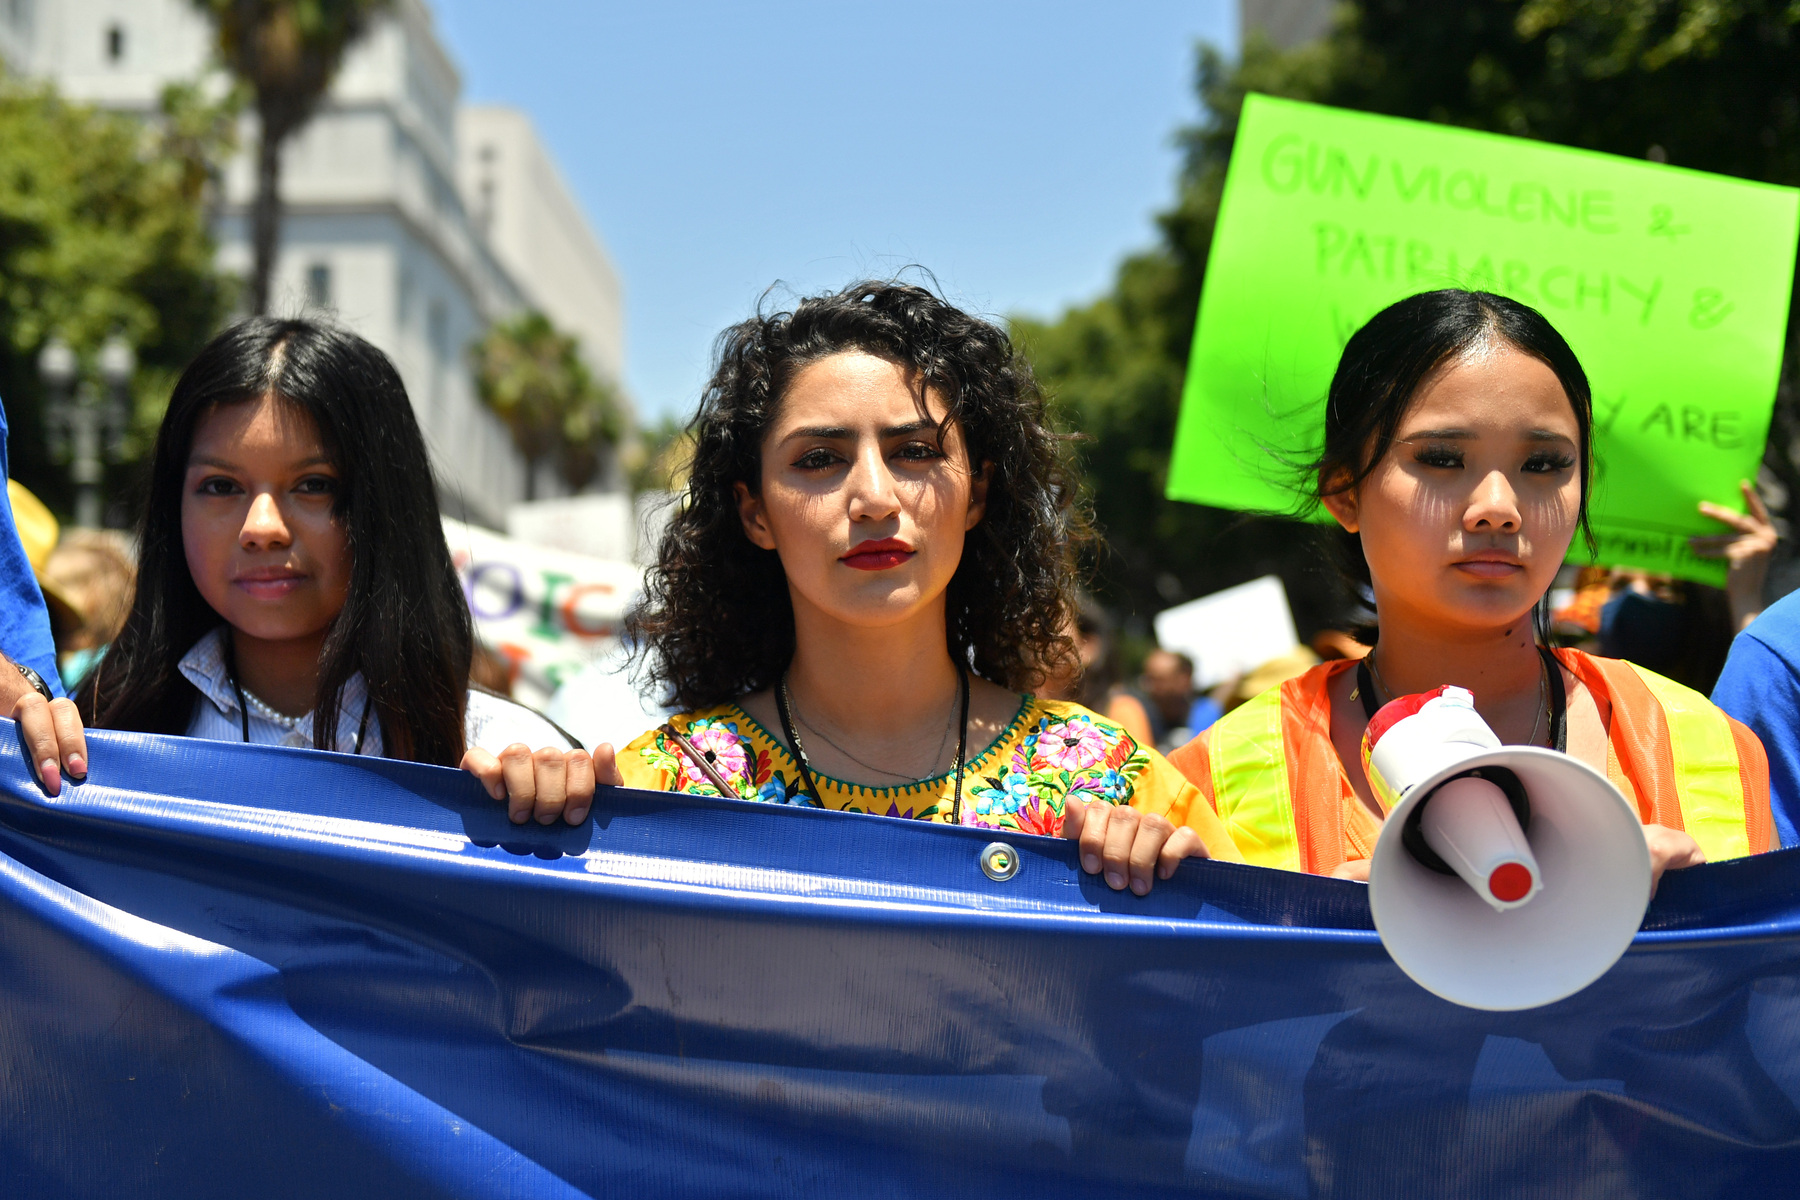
86, 575
38, 529
39, 533
1275, 672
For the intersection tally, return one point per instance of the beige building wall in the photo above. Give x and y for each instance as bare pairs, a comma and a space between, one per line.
15, 32
519, 200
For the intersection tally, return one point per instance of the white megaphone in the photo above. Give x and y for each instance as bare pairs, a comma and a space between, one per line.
1505, 877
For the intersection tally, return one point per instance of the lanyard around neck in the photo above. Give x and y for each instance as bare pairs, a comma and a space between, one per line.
1559, 698
362, 726
806, 775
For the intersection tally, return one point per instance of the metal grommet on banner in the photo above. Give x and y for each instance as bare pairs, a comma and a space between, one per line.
999, 861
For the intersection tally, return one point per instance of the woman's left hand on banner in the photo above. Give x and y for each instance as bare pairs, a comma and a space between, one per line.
1129, 847
546, 784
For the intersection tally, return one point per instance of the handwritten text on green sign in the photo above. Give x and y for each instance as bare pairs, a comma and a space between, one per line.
1672, 286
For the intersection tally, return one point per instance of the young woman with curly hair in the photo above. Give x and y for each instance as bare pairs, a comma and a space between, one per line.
870, 569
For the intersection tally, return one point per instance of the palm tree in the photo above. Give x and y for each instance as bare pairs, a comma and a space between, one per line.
286, 52
532, 376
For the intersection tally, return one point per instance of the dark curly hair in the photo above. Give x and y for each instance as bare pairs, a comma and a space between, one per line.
716, 621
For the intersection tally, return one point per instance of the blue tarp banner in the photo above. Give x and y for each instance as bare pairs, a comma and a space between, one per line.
241, 971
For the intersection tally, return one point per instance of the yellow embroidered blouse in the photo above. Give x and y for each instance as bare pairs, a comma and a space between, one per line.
1050, 751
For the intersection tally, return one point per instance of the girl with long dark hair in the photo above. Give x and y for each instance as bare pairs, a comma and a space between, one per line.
1457, 455
870, 569
294, 587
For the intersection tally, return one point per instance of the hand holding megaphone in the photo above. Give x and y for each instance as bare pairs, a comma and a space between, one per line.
1505, 877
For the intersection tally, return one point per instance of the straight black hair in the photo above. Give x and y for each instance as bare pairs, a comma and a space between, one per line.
404, 625
1385, 362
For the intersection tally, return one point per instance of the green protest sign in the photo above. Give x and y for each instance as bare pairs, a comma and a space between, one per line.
1671, 285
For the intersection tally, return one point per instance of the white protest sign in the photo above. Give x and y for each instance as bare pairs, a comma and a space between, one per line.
1230, 632
546, 613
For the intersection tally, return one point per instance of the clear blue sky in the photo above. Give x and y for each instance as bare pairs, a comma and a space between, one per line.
1016, 149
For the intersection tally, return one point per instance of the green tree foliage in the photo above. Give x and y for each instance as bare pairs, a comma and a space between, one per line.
285, 53
532, 376
103, 229
659, 456
1709, 84
1114, 370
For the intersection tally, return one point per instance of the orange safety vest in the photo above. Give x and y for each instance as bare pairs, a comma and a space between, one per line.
1273, 776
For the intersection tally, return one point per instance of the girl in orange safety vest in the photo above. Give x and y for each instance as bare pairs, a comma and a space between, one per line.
1457, 452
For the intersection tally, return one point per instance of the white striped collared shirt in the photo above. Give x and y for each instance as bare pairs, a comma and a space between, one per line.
491, 722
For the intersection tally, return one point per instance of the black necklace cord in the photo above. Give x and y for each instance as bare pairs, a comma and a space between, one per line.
962, 748
362, 726
1559, 697
806, 777
1559, 702
807, 786
1365, 688
238, 688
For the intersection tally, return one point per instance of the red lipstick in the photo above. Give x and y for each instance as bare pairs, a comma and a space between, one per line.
878, 555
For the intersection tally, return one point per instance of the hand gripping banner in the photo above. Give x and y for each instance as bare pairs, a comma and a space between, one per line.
241, 971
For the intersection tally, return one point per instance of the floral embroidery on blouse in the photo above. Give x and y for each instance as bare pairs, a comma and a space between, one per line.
1050, 751
1069, 753
729, 753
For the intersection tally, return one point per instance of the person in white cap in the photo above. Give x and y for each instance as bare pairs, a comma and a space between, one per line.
1457, 456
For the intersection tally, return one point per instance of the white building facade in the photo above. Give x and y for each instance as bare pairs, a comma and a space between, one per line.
526, 213
410, 220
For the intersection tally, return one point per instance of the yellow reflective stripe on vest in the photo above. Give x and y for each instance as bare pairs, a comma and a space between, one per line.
1250, 782
1707, 780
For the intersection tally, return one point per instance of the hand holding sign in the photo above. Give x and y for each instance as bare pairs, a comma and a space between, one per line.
1746, 552
1672, 286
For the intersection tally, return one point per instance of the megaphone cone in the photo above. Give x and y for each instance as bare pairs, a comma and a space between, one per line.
1470, 824
1505, 877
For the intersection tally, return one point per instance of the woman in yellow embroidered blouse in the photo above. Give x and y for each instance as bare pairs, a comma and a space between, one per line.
870, 566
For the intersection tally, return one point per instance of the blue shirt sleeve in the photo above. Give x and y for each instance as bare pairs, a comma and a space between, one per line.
24, 621
1202, 713
1762, 690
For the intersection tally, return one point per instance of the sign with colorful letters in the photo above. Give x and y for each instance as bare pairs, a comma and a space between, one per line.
1671, 285
546, 613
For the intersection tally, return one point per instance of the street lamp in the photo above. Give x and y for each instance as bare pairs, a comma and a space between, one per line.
79, 416
118, 363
